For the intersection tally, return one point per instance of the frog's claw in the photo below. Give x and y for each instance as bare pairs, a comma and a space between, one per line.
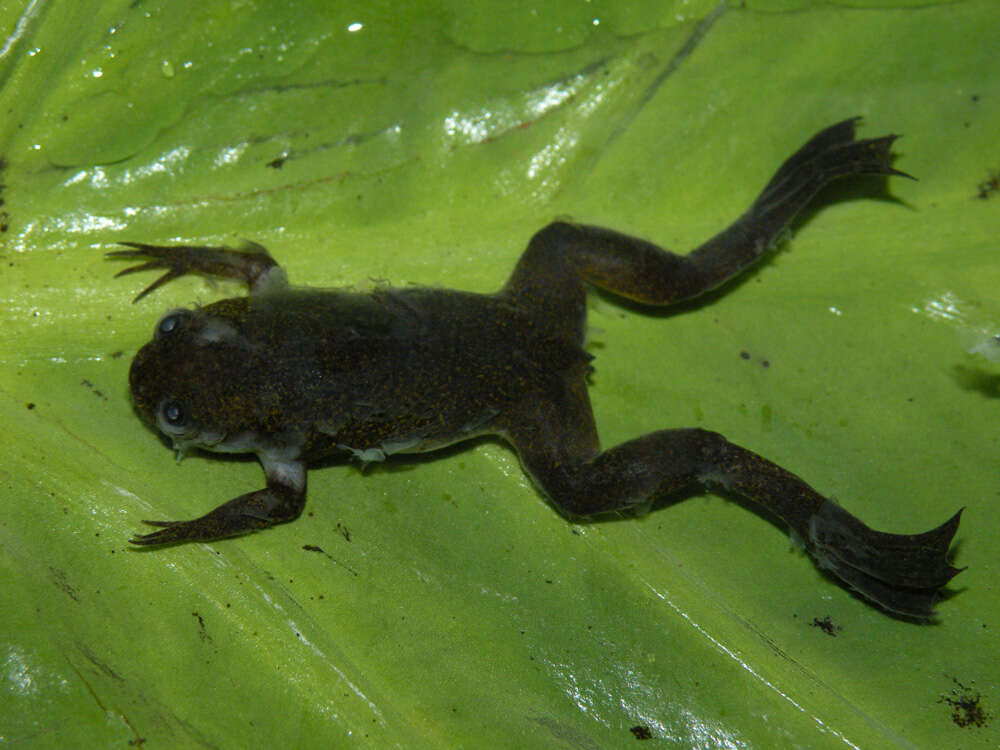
252, 265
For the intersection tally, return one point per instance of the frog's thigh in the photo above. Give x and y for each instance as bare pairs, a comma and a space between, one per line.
545, 282
551, 429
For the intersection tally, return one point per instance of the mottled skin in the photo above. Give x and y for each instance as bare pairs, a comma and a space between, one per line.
296, 375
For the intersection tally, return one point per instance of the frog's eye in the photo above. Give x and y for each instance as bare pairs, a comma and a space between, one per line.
171, 322
173, 413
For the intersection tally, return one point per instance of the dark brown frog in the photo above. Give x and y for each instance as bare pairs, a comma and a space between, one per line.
296, 375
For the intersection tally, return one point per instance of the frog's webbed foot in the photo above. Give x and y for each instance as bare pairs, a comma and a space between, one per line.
255, 510
901, 572
252, 265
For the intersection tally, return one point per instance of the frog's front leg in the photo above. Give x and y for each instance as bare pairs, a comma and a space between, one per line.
900, 572
253, 265
281, 501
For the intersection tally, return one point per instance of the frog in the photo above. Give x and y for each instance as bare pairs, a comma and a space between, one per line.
299, 376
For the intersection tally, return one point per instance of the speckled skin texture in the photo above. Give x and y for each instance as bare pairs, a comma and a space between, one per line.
297, 375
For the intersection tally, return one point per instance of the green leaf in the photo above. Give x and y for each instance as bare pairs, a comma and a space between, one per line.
441, 602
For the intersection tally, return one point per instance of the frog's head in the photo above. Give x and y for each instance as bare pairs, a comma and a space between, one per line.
193, 382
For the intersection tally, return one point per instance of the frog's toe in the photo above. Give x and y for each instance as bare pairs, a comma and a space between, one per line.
171, 533
157, 257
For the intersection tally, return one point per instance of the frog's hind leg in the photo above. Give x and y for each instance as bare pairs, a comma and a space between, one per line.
902, 573
562, 254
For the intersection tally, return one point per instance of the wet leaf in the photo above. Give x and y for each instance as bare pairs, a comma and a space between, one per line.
442, 603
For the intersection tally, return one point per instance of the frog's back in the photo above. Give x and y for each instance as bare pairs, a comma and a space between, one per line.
415, 368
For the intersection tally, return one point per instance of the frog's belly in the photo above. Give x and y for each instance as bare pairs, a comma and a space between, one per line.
374, 444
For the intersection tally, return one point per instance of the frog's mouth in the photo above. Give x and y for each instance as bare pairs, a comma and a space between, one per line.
184, 444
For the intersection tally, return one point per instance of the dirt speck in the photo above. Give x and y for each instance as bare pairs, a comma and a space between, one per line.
827, 625
967, 709
989, 186
641, 732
